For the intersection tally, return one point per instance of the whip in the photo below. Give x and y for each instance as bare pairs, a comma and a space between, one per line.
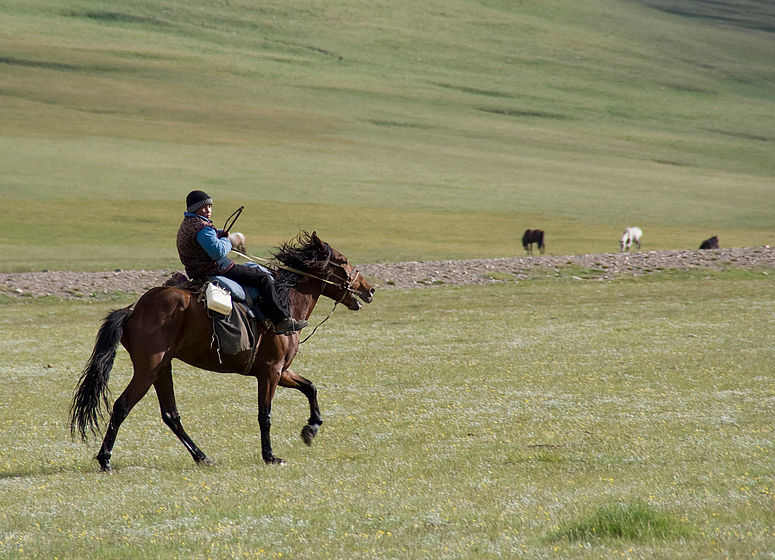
235, 215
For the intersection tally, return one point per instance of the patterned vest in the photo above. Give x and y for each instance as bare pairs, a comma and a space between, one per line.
193, 256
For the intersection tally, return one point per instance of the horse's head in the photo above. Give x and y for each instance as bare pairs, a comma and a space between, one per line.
344, 281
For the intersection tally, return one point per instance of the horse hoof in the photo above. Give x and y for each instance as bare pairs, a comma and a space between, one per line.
206, 462
308, 433
276, 461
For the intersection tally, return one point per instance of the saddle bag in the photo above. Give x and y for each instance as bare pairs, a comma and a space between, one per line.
218, 299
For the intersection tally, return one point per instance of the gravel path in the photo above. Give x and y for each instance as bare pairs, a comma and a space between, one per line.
596, 267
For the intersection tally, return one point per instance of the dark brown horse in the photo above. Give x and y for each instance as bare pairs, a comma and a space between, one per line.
167, 323
711, 243
533, 236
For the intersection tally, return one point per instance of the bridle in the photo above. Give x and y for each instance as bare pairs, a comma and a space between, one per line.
345, 286
349, 279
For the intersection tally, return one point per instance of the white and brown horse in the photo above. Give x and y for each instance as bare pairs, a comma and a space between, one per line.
237, 241
631, 236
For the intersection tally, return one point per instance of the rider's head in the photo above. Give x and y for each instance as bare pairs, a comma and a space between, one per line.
198, 202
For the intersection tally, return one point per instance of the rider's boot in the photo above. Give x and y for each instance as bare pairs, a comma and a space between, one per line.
289, 324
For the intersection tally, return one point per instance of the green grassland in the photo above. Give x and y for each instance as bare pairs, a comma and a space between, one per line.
554, 418
399, 131
545, 419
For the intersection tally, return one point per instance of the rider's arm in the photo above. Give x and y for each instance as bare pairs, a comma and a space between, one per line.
216, 248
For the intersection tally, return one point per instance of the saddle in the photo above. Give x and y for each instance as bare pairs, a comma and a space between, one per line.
237, 330
243, 294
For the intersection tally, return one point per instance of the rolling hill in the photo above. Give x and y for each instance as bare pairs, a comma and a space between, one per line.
399, 131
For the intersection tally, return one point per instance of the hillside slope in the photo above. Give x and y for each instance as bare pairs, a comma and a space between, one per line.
748, 14
404, 130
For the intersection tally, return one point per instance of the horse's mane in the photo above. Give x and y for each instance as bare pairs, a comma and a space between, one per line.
302, 254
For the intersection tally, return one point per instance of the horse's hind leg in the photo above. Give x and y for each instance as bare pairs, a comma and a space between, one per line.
135, 391
171, 416
294, 381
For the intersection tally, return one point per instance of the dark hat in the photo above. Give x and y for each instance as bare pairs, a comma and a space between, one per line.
196, 200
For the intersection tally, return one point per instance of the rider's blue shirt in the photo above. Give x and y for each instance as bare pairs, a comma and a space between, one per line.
216, 248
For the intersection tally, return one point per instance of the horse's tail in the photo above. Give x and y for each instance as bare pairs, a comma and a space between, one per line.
92, 388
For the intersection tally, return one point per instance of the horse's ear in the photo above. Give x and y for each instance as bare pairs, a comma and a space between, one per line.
316, 240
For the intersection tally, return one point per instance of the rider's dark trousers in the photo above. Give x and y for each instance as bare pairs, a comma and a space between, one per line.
268, 301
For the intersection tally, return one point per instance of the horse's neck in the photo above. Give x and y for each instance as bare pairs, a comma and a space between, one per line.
304, 296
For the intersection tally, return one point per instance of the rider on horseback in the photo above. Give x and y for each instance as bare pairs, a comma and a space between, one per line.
203, 250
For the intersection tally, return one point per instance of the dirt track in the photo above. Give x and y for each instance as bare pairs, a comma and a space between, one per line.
597, 267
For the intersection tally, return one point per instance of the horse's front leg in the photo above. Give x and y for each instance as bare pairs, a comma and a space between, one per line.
294, 381
267, 386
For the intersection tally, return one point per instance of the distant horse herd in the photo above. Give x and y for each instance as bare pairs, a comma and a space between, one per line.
631, 236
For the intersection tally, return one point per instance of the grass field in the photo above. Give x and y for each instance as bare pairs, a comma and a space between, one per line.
545, 419
399, 131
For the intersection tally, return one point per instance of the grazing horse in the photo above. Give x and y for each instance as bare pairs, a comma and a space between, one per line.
533, 236
631, 237
711, 243
237, 241
168, 322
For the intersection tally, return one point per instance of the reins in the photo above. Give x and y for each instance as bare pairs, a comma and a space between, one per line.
345, 285
323, 321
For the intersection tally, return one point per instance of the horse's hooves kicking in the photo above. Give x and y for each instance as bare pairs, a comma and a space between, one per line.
308, 433
206, 462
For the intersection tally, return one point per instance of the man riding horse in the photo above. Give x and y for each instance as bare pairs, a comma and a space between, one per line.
203, 250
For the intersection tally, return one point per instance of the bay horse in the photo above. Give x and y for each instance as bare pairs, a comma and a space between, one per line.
533, 236
630, 237
711, 243
168, 322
